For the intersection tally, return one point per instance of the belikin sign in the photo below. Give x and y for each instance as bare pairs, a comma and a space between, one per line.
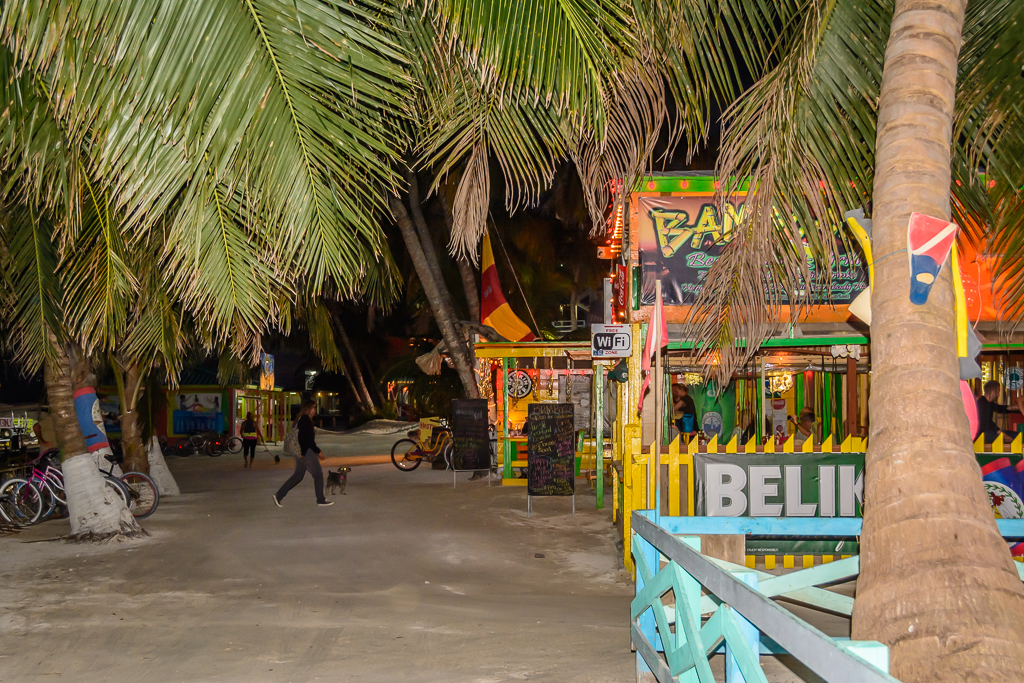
779, 485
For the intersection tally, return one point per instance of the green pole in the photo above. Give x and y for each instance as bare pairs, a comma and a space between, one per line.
599, 433
506, 449
838, 394
826, 412
799, 393
666, 408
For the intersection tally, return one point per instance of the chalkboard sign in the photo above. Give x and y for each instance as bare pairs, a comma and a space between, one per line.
469, 434
550, 447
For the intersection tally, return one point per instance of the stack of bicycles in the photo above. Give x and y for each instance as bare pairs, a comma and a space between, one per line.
40, 495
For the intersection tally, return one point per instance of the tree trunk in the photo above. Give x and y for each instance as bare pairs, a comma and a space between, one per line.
430, 287
466, 270
158, 471
427, 242
95, 510
135, 457
469, 284
364, 393
937, 583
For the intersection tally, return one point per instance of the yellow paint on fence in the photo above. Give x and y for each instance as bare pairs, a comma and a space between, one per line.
750, 561
825, 559
997, 445
847, 445
769, 562
808, 446
787, 562
732, 445
826, 445
979, 443
712, 445
787, 445
808, 561
1015, 445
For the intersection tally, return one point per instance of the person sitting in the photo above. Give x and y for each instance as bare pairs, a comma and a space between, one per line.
804, 427
684, 411
987, 407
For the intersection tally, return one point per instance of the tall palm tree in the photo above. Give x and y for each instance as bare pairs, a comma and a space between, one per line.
852, 102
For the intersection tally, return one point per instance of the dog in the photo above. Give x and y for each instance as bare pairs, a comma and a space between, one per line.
337, 480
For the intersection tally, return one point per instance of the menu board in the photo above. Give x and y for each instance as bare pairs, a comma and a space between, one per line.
469, 434
551, 454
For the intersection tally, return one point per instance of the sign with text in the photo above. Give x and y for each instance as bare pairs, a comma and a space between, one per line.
779, 484
611, 341
469, 434
550, 449
682, 237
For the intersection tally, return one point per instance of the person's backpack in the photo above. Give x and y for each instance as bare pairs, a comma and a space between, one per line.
291, 443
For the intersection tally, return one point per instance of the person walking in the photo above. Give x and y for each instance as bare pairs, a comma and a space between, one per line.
251, 435
308, 460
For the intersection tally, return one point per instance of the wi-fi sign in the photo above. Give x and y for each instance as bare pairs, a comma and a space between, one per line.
611, 341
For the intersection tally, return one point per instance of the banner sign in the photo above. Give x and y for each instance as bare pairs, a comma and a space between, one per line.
551, 452
469, 434
779, 484
681, 237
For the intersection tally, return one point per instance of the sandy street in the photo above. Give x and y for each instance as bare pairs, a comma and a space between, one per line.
404, 578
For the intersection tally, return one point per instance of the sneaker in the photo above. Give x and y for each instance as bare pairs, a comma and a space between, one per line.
277, 502
326, 503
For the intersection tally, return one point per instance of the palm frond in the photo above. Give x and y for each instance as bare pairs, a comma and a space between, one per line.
32, 291
803, 137
560, 51
284, 99
99, 285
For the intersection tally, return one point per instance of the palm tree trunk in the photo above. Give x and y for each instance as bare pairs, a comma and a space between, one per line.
96, 511
129, 386
466, 270
354, 369
430, 287
937, 583
433, 262
469, 284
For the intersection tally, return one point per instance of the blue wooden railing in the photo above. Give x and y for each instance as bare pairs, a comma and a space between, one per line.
673, 645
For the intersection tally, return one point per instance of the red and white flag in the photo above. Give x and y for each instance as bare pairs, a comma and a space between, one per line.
657, 338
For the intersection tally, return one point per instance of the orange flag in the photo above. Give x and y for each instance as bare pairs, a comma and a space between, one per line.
494, 310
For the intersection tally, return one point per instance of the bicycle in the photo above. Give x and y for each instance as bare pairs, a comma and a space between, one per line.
407, 454
49, 479
138, 491
21, 503
213, 444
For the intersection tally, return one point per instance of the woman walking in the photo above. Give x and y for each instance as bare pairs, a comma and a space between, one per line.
309, 460
251, 435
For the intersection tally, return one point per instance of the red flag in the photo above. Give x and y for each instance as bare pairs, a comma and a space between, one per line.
657, 338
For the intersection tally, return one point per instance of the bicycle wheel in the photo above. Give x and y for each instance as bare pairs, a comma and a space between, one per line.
23, 500
144, 494
185, 448
215, 448
122, 490
234, 444
49, 501
406, 455
449, 456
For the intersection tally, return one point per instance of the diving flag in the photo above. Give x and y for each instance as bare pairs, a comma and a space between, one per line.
657, 338
929, 241
494, 310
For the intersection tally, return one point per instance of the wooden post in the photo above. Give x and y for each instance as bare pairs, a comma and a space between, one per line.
599, 433
658, 379
852, 421
505, 445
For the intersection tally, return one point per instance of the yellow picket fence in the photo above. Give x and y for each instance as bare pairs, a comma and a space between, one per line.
635, 491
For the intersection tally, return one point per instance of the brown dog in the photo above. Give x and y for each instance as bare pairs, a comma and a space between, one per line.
337, 480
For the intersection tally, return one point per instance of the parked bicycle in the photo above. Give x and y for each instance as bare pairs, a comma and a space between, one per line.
211, 443
407, 454
21, 503
138, 491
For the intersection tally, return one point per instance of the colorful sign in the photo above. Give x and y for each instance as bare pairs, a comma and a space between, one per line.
681, 237
779, 485
194, 412
266, 372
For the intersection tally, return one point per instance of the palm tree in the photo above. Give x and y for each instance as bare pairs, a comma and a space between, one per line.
853, 103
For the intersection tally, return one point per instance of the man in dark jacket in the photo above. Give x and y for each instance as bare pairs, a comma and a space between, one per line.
309, 460
987, 407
